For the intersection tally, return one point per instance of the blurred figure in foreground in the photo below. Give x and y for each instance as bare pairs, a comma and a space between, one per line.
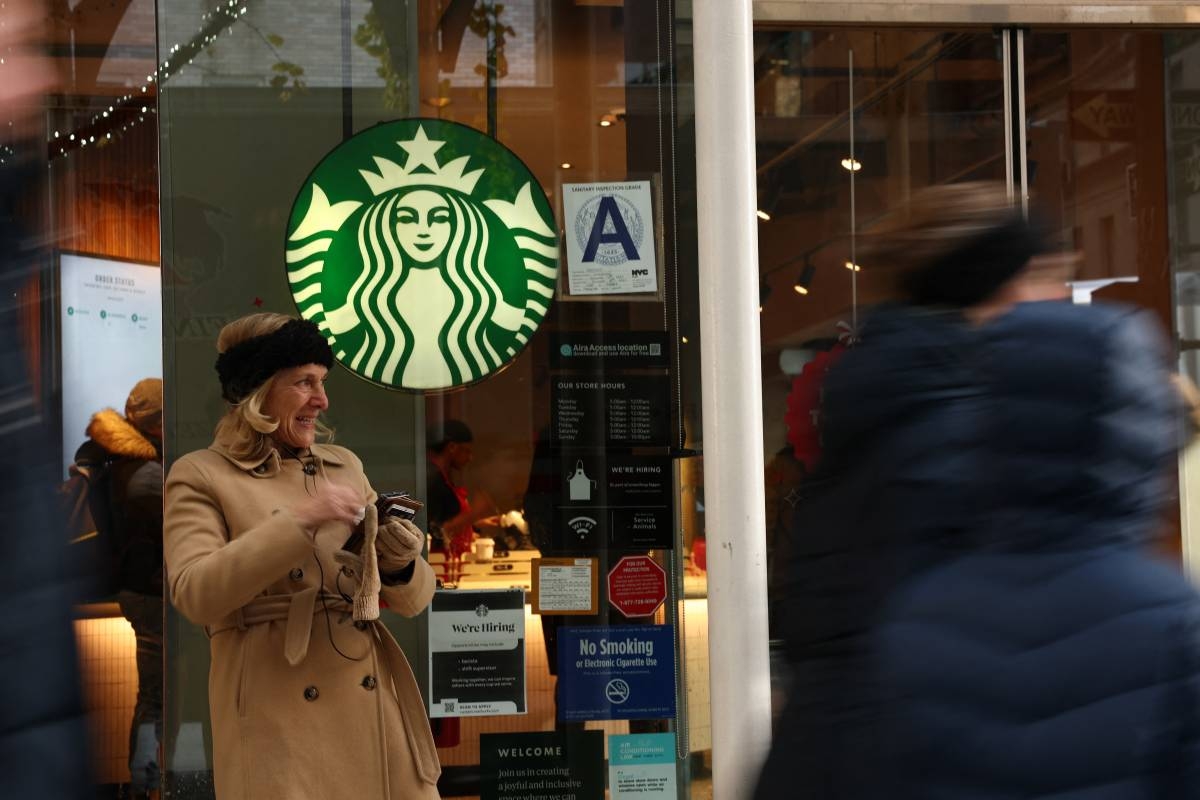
123, 459
964, 566
43, 744
899, 417
1052, 655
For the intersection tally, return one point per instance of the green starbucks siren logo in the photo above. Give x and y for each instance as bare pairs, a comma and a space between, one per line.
425, 252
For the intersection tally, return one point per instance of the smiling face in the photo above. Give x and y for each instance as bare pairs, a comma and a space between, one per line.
296, 399
423, 225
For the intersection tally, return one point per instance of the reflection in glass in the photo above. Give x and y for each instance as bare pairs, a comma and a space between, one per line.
837, 150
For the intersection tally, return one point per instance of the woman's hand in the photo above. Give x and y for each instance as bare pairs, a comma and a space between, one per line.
332, 502
399, 543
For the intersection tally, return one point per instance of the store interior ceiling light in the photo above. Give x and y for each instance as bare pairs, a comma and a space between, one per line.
851, 164
804, 280
764, 216
850, 265
565, 165
612, 117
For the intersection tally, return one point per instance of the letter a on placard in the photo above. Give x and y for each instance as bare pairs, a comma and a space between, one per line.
605, 214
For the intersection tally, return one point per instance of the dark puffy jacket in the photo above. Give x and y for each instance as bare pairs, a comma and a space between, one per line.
127, 501
43, 735
900, 416
1051, 658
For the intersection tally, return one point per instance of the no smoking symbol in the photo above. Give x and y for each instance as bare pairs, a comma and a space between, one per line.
617, 691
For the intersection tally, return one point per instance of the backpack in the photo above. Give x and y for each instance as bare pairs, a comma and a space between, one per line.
84, 505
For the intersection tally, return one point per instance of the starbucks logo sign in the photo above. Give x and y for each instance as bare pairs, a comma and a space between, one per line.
426, 253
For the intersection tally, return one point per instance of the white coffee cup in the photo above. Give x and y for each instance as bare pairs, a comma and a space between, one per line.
484, 548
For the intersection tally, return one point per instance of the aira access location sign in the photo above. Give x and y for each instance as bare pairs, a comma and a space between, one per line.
426, 253
610, 238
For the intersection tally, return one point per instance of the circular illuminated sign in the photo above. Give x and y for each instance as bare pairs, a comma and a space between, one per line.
425, 252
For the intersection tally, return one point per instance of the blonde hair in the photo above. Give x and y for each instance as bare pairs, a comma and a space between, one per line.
246, 429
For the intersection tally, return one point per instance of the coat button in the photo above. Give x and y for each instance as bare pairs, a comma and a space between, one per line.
369, 682
260, 469
296, 574
311, 693
361, 625
310, 469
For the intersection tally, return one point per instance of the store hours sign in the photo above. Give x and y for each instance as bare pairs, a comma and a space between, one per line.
425, 252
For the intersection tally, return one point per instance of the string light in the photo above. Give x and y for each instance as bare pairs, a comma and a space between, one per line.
182, 54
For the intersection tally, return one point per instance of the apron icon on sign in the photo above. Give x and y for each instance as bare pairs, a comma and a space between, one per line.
580, 484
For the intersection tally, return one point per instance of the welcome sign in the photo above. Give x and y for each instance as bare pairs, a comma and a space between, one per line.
425, 252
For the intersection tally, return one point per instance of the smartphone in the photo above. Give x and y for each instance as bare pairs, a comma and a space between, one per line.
398, 504
389, 504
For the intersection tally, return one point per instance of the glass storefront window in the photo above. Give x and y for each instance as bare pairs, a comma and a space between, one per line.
94, 321
241, 102
1085, 122
1182, 77
918, 107
579, 390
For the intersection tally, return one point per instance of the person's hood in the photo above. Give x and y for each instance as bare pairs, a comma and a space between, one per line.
909, 362
115, 434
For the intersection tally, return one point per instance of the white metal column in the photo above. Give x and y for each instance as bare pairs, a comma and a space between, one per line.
731, 383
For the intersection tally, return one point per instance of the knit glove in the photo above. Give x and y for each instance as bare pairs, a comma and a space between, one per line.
399, 543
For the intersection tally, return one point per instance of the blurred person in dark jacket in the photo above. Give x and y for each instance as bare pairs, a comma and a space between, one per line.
949, 637
1052, 655
43, 744
901, 477
127, 506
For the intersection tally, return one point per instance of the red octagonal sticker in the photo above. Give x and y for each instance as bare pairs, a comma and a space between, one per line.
637, 586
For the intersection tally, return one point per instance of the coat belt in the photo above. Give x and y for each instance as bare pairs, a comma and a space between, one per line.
298, 609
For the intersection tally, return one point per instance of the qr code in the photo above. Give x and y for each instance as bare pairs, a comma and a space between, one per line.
449, 706
655, 349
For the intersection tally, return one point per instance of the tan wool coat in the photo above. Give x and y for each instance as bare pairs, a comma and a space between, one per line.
306, 703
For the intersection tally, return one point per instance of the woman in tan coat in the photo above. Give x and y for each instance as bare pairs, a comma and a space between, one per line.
310, 696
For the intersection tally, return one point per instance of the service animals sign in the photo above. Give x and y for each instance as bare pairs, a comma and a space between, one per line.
610, 238
425, 251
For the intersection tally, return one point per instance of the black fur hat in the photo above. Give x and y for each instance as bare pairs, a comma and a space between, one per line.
247, 365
